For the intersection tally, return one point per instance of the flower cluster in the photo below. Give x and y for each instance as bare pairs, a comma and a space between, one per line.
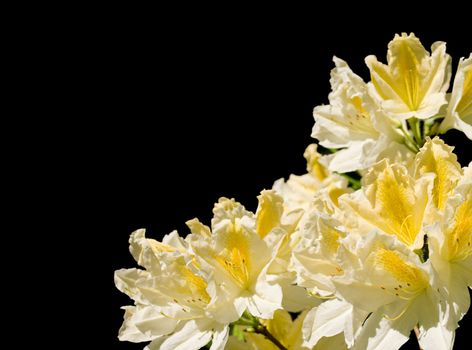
329, 261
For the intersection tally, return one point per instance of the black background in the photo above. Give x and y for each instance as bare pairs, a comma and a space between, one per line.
212, 107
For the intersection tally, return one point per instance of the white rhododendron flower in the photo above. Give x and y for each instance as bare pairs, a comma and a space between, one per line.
414, 83
354, 122
238, 258
372, 243
390, 200
170, 295
459, 113
399, 293
437, 159
451, 246
299, 190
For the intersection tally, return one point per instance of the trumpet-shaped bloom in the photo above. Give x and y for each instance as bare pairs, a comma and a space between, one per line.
170, 296
316, 263
391, 200
299, 192
361, 268
354, 122
237, 258
437, 159
389, 282
399, 200
459, 113
414, 83
451, 245
293, 251
315, 259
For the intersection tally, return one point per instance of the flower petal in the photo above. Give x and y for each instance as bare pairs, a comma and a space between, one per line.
459, 113
381, 333
413, 84
269, 212
129, 331
192, 336
220, 337
437, 158
326, 320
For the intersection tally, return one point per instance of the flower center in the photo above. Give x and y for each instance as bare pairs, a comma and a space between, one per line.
235, 257
411, 280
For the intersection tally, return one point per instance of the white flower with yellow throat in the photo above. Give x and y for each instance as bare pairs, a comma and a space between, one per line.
237, 258
171, 298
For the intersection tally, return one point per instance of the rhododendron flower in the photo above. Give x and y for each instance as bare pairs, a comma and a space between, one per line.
372, 242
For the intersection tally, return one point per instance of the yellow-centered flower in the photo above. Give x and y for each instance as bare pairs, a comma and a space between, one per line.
414, 83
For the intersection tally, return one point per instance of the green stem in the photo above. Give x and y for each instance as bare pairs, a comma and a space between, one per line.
415, 128
426, 129
434, 130
431, 126
412, 146
419, 131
